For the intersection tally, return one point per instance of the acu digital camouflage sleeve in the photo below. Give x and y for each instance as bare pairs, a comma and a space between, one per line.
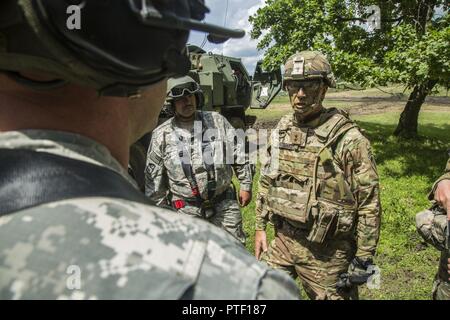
444, 177
156, 180
361, 172
261, 211
126, 250
240, 164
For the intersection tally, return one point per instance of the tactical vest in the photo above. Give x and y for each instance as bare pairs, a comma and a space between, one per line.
184, 152
309, 189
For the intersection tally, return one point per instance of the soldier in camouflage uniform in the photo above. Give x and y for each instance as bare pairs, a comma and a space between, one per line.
72, 224
433, 226
187, 163
319, 188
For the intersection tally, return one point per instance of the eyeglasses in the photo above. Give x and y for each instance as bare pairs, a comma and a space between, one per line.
185, 90
307, 86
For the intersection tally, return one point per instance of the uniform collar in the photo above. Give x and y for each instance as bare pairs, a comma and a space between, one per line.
65, 144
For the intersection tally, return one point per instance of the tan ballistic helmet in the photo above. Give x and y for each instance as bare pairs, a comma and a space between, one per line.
308, 65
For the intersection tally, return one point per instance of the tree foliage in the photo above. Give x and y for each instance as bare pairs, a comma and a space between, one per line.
411, 47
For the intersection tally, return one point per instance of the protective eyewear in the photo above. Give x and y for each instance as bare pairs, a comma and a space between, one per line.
307, 86
179, 92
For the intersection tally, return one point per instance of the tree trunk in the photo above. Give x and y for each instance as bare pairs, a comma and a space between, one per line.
408, 123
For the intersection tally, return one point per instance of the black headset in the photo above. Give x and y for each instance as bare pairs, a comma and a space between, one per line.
121, 45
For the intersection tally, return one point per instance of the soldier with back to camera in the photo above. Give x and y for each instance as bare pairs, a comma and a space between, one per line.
72, 102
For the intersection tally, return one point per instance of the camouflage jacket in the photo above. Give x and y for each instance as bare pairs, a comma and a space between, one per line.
432, 226
107, 248
445, 176
211, 139
352, 165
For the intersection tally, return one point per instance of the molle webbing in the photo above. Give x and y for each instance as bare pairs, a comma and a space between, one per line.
305, 158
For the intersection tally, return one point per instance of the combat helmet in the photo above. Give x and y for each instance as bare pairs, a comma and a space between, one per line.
184, 86
117, 47
308, 65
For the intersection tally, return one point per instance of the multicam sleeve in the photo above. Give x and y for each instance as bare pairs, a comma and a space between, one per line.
262, 213
244, 175
433, 228
361, 170
445, 176
156, 187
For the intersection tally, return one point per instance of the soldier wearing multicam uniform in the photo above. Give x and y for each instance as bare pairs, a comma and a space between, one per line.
187, 163
433, 226
71, 223
319, 188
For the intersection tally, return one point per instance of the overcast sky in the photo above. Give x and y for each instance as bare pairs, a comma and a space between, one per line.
236, 17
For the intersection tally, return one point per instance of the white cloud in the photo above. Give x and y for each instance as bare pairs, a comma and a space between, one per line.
236, 17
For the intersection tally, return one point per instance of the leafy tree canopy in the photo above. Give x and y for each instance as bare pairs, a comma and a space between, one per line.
410, 47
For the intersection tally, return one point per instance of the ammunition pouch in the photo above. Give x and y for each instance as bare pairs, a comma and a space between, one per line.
324, 216
276, 220
330, 219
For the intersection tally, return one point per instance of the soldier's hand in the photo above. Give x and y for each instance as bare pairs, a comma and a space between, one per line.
442, 195
245, 197
260, 243
359, 272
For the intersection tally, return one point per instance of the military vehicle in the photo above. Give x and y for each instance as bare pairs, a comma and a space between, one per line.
228, 89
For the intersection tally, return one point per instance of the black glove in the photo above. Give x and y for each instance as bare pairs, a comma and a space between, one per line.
359, 271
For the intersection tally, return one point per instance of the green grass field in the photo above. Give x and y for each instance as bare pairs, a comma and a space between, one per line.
407, 170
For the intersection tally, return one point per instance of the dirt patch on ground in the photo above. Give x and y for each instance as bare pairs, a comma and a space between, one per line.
375, 105
361, 106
